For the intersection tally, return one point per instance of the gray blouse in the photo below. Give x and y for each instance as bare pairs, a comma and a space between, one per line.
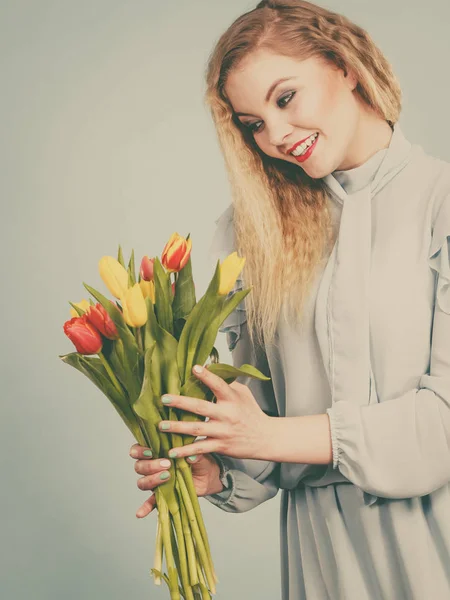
374, 350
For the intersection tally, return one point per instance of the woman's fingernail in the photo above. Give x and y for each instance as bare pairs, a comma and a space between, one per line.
165, 475
193, 457
166, 399
147, 453
164, 462
198, 369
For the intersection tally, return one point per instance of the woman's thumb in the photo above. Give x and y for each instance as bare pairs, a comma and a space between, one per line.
192, 459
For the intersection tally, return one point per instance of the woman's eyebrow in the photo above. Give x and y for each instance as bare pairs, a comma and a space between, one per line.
270, 91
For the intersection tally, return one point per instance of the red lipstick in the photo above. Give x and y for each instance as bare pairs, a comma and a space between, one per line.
308, 152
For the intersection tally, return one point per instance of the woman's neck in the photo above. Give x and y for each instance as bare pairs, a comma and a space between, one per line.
373, 134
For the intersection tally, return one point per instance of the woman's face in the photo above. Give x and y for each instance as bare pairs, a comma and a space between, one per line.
316, 105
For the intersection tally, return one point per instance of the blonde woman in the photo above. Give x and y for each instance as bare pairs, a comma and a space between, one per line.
345, 227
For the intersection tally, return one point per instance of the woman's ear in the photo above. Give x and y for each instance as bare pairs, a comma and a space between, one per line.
350, 78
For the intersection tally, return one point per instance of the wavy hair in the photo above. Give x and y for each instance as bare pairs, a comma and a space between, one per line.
281, 217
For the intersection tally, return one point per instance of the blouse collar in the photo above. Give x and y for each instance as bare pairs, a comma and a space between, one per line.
376, 172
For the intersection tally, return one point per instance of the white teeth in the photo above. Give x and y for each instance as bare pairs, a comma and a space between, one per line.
304, 146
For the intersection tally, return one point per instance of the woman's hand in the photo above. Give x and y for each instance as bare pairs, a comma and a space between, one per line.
237, 426
205, 474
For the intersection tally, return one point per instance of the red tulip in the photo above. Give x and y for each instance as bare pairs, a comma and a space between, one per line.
147, 268
176, 253
85, 337
100, 319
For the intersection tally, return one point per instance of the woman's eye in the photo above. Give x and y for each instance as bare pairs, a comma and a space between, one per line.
253, 126
282, 102
288, 98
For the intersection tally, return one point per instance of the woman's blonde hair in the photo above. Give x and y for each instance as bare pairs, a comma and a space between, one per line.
281, 217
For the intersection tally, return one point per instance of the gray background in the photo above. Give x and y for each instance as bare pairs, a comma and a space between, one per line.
105, 139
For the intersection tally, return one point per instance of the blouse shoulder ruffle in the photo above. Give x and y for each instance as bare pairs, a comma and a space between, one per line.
439, 254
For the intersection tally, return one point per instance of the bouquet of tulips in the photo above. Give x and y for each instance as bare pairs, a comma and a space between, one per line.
146, 343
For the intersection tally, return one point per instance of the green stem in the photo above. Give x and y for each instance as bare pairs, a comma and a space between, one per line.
192, 559
204, 592
110, 372
157, 562
206, 561
172, 572
174, 547
184, 575
187, 474
139, 340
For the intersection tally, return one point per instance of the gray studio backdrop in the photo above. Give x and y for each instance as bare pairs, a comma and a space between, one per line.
105, 139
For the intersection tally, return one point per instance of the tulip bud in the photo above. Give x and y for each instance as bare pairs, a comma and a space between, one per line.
134, 307
84, 305
100, 319
84, 336
114, 275
147, 268
229, 271
176, 253
148, 289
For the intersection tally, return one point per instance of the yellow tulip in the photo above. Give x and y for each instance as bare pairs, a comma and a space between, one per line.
229, 271
134, 307
84, 305
114, 275
148, 289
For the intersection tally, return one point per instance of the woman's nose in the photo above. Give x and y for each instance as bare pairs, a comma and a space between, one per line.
279, 133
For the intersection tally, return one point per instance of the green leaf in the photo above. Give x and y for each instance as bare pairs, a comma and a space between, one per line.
228, 372
132, 359
131, 270
92, 368
163, 296
120, 257
79, 310
144, 406
206, 311
164, 369
209, 334
184, 299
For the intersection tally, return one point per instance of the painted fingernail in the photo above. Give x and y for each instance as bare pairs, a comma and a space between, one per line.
165, 462
165, 475
173, 453
133, 453
193, 457
165, 426
147, 453
198, 369
167, 399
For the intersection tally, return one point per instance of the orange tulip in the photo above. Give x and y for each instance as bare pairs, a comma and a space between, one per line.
176, 253
147, 268
100, 319
85, 337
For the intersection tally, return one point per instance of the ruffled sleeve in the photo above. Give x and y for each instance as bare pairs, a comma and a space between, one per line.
248, 482
400, 448
439, 257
